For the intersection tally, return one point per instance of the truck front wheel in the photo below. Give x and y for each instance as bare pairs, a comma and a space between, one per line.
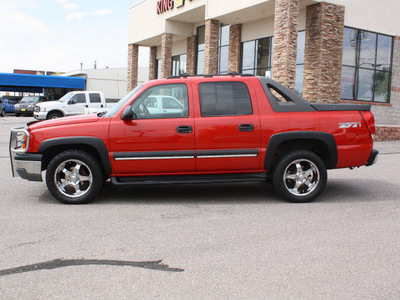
54, 115
300, 176
74, 177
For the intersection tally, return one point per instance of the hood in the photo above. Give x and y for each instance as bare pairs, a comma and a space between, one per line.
49, 103
80, 119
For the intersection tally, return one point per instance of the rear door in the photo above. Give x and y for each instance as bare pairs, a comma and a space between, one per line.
227, 126
95, 101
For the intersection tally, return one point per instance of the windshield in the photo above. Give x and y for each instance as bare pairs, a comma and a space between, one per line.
65, 98
121, 102
30, 99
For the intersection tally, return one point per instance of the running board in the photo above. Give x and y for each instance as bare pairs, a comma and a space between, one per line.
179, 179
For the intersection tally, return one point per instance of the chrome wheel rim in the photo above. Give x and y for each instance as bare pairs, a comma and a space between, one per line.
73, 178
301, 177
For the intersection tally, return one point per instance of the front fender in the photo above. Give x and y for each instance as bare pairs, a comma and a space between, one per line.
93, 142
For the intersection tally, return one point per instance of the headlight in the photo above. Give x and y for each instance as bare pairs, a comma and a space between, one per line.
37, 108
19, 141
31, 106
16, 105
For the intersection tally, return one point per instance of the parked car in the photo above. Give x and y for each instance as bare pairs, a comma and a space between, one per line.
72, 103
27, 105
9, 102
163, 105
231, 128
2, 109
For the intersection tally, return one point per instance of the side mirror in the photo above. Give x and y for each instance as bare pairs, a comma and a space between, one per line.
128, 114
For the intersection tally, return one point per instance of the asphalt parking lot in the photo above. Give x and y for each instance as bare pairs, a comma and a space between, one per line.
231, 241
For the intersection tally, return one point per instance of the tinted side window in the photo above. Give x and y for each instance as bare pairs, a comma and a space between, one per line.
79, 98
94, 98
224, 99
149, 104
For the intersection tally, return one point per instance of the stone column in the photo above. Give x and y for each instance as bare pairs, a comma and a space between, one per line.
133, 58
211, 47
191, 56
323, 52
166, 55
235, 32
153, 63
285, 42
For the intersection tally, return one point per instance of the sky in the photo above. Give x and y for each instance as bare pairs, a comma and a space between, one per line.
59, 35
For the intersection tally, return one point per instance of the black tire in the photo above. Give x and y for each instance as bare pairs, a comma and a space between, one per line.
3, 113
74, 177
300, 176
54, 115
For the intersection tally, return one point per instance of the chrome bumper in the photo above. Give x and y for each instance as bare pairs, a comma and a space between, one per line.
25, 165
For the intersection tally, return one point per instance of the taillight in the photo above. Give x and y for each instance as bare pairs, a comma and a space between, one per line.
370, 121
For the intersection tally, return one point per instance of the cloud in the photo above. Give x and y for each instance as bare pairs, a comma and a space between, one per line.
70, 6
77, 15
18, 22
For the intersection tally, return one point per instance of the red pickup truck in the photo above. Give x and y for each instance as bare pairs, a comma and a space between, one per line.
197, 129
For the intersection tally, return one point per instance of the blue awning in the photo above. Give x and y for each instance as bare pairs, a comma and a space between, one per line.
36, 83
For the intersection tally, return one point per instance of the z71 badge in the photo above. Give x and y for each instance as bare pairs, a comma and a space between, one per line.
350, 125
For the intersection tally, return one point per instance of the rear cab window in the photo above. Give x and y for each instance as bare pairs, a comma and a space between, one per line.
229, 98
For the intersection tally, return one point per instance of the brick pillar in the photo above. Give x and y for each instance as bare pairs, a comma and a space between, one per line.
153, 63
133, 58
235, 32
323, 52
191, 55
285, 42
166, 55
211, 47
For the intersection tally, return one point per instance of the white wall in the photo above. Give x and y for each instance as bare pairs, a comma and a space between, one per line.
373, 15
112, 82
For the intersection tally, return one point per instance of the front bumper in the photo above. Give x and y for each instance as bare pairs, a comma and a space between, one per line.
25, 165
372, 158
40, 115
24, 110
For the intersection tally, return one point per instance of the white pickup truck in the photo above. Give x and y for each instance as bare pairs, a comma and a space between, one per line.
73, 103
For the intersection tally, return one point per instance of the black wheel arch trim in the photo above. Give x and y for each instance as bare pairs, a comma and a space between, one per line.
279, 138
94, 142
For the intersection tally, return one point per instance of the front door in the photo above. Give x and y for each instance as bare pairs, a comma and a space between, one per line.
155, 142
227, 127
76, 105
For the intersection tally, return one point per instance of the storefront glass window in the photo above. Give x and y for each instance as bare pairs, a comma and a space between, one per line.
223, 49
366, 65
301, 43
257, 56
248, 55
158, 68
178, 64
201, 43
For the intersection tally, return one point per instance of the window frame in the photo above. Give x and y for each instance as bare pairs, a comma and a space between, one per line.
199, 50
254, 69
223, 47
356, 68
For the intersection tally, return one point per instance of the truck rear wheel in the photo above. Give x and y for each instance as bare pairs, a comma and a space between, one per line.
300, 176
74, 177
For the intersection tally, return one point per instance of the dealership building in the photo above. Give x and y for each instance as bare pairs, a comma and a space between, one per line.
341, 51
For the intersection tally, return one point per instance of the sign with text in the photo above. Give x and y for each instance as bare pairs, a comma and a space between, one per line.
166, 5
